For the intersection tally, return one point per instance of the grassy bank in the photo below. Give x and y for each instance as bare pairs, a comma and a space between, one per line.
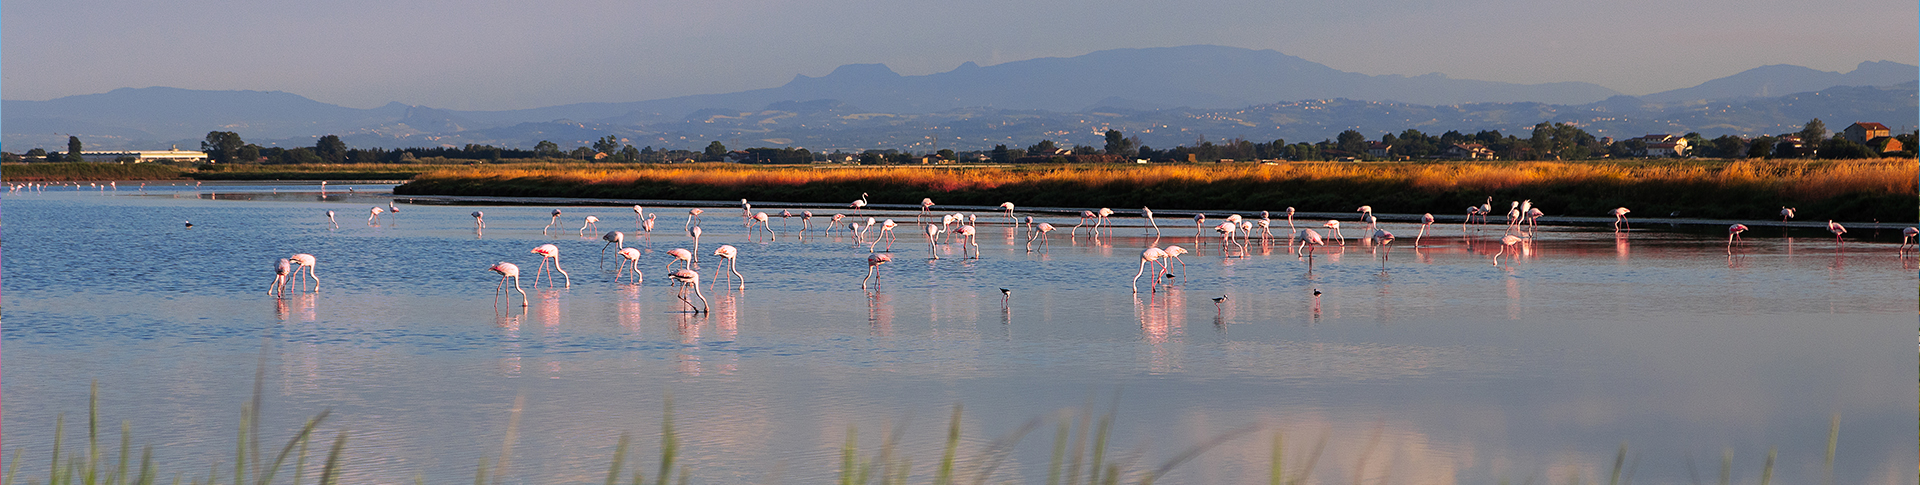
1854, 190
68, 172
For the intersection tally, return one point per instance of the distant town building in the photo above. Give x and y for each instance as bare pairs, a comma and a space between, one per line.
1473, 151
1378, 150
142, 156
1863, 132
1664, 145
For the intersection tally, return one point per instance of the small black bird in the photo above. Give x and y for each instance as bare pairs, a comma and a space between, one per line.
1316, 292
189, 224
1004, 295
1216, 302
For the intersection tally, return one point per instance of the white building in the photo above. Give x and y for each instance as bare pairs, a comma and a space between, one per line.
140, 156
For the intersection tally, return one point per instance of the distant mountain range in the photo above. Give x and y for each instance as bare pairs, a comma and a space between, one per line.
1167, 96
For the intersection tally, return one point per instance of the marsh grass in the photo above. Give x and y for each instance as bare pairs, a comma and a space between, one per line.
67, 172
1079, 456
1854, 190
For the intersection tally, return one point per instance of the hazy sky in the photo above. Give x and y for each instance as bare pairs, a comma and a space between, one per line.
501, 54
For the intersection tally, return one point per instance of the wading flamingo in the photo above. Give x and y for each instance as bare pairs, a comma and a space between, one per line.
1290, 228
1009, 207
1148, 213
1175, 252
886, 232
550, 223
729, 258
1226, 230
1306, 237
1084, 215
859, 204
680, 255
1620, 217
330, 220
1104, 212
1333, 225
1786, 213
1425, 220
616, 239
873, 262
646, 226
1485, 209
1471, 211
480, 219
835, 221
967, 233
1150, 255
1837, 230
1199, 220
696, 245
593, 222
1507, 241
1366, 211
1907, 236
1039, 232
933, 234
632, 256
763, 220
926, 205
638, 215
280, 269
373, 215
806, 221
1733, 234
508, 270
304, 261
690, 279
549, 251
1533, 220
691, 215
392, 208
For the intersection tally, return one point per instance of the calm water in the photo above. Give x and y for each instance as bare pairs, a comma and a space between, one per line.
1434, 367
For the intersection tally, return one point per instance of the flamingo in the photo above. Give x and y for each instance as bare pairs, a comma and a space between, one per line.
638, 212
886, 232
647, 226
1620, 217
1786, 213
1309, 236
479, 219
859, 204
947, 221
330, 220
680, 254
926, 204
280, 269
784, 216
1009, 207
508, 270
729, 258
1150, 255
1486, 208
691, 215
373, 215
1907, 236
746, 210
392, 208
867, 227
1733, 233
1226, 230
550, 223
967, 233
1198, 221
1506, 242
1175, 252
806, 221
1533, 220
1334, 225
696, 245
1513, 216
933, 234
1425, 220
873, 262
305, 262
1084, 215
688, 278
616, 239
1837, 230
1104, 212
1148, 213
1382, 237
592, 222
1366, 211
1246, 233
1471, 211
835, 221
1040, 233
1290, 227
549, 251
762, 219
632, 255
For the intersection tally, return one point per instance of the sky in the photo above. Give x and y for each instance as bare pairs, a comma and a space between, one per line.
511, 54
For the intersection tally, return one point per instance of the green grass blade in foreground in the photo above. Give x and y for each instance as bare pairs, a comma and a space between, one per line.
669, 443
619, 455
329, 473
944, 476
266, 475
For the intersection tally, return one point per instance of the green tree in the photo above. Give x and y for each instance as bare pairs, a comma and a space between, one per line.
716, 151
1761, 147
1813, 133
221, 146
73, 148
1352, 142
946, 154
630, 154
1043, 149
608, 144
1118, 144
330, 149
1000, 154
38, 153
248, 153
546, 149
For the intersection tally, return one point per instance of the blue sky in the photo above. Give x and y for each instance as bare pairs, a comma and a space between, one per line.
494, 54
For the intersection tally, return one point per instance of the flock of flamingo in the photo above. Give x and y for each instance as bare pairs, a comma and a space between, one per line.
960, 228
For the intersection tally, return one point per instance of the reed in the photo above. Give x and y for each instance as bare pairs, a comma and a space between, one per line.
1852, 190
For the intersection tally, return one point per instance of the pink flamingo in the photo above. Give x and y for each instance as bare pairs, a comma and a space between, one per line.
549, 251
873, 262
926, 205
762, 219
508, 270
550, 223
836, 220
305, 262
616, 239
730, 259
479, 219
690, 279
1366, 211
1485, 209
691, 215
786, 215
373, 215
806, 221
859, 204
280, 269
1175, 252
1533, 220
1150, 255
1733, 233
1334, 225
592, 222
696, 247
632, 255
933, 234
1102, 221
1786, 213
1199, 220
1425, 220
1837, 230
886, 232
1309, 236
1040, 233
1620, 217
1009, 207
1507, 241
680, 254
638, 214
967, 234
647, 226
1907, 236
1226, 230
336, 224
1148, 213
1084, 215
1471, 211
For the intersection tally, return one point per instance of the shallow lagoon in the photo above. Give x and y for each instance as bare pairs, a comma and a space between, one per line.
1434, 367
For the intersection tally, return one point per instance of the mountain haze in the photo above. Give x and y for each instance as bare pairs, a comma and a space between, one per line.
1781, 79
